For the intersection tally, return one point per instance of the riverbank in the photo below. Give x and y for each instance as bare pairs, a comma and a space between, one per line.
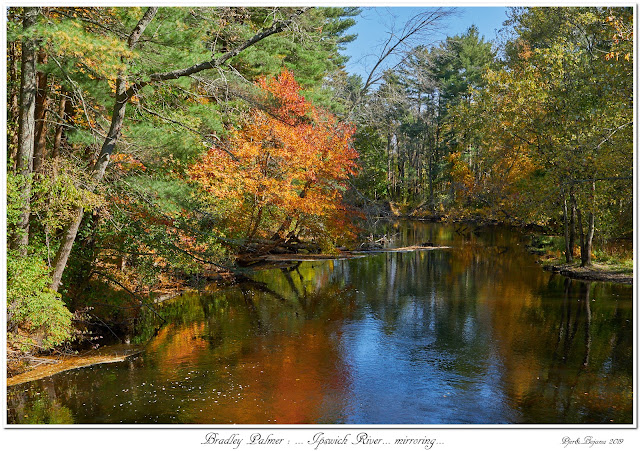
23, 367
46, 366
598, 272
541, 244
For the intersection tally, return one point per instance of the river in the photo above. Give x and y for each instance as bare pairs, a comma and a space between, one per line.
476, 333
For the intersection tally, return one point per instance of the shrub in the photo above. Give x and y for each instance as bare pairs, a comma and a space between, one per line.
36, 316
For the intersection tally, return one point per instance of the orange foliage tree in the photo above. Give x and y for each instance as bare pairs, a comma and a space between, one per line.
283, 173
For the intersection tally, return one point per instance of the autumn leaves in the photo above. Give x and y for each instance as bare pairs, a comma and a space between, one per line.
284, 173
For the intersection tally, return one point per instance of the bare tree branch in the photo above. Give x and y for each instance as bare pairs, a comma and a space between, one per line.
416, 27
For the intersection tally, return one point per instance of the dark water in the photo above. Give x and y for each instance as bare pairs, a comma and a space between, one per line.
475, 334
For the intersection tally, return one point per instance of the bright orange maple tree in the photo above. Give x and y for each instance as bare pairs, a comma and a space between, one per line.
284, 171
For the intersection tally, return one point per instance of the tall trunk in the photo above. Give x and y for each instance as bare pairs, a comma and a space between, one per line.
13, 78
587, 244
70, 232
432, 205
57, 140
69, 236
568, 252
400, 149
117, 120
40, 149
436, 143
572, 223
14, 92
580, 231
389, 174
585, 255
26, 132
419, 170
42, 100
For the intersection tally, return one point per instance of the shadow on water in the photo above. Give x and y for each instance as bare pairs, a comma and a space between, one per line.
474, 334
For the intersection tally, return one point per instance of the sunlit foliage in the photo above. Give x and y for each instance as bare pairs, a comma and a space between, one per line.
283, 171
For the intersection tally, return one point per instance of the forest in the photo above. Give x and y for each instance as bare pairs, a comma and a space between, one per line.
151, 149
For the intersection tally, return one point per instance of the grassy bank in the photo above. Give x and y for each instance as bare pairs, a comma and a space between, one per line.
613, 262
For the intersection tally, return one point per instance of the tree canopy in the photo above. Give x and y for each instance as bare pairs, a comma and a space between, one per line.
152, 147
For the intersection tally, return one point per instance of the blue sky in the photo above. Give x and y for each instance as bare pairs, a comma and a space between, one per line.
373, 23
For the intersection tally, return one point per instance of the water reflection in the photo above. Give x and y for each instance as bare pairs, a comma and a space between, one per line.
474, 334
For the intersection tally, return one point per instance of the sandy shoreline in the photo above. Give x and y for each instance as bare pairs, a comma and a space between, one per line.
107, 354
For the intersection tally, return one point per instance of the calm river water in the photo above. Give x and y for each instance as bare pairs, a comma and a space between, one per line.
474, 334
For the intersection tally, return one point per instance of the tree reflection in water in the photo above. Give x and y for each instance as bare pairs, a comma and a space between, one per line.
473, 334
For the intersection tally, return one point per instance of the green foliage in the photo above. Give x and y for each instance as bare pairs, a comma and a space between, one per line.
459, 64
143, 221
37, 319
46, 410
311, 53
579, 127
553, 118
512, 140
156, 224
541, 244
371, 179
57, 193
14, 181
412, 113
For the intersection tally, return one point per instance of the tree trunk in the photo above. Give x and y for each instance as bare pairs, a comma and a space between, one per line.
401, 187
580, 230
572, 223
70, 232
585, 255
568, 252
57, 140
117, 119
283, 234
39, 150
14, 107
42, 100
389, 174
13, 78
432, 204
69, 236
254, 230
26, 132
124, 94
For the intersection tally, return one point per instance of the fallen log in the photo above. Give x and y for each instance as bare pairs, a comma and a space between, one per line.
107, 354
254, 260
